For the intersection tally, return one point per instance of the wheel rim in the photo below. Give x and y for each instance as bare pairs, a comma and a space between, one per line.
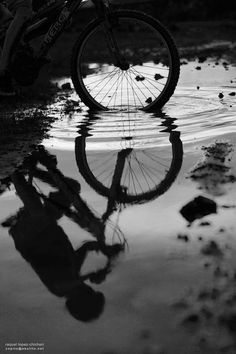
139, 87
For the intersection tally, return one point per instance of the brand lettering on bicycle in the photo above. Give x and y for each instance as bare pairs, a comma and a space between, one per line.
57, 26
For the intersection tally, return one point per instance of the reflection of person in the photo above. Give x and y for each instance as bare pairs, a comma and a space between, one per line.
22, 12
44, 244
46, 247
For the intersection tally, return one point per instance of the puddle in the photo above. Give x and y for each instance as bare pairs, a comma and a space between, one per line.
111, 185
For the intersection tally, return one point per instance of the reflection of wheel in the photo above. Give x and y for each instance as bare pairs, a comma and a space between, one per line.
149, 76
145, 174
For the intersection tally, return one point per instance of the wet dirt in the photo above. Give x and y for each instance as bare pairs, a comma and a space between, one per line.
171, 279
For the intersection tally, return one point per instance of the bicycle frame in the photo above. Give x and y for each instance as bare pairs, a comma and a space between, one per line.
57, 26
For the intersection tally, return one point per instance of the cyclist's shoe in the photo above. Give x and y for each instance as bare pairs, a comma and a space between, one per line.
6, 87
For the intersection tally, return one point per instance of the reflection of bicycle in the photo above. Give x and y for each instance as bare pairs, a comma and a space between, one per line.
122, 59
134, 174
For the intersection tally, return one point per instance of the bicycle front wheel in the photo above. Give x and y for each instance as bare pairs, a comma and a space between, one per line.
147, 81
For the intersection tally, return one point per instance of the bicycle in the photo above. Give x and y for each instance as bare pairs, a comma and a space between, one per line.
122, 60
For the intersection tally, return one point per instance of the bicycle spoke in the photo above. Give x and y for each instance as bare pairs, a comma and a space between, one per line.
152, 169
115, 92
140, 90
135, 94
102, 79
105, 85
155, 159
112, 95
132, 177
141, 169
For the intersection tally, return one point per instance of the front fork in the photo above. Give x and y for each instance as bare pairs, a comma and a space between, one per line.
104, 11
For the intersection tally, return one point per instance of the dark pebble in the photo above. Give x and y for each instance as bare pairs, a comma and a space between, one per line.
221, 95
66, 86
211, 249
207, 265
205, 223
202, 59
184, 238
191, 319
197, 208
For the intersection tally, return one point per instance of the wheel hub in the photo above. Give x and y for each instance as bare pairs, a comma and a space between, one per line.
124, 66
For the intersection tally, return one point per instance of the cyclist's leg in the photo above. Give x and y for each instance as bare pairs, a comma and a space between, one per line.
22, 10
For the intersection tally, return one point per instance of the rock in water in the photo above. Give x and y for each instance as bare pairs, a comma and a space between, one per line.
198, 208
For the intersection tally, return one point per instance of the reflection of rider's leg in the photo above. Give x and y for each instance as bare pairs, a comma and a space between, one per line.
27, 193
23, 12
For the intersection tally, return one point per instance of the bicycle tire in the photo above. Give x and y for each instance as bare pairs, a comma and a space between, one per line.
165, 39
123, 197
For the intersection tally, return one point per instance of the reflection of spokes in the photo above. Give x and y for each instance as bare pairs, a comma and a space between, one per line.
145, 173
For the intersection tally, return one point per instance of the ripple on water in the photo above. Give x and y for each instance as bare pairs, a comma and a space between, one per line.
199, 114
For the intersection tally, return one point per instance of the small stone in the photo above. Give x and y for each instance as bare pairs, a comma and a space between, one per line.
221, 95
66, 86
205, 223
198, 68
232, 94
197, 208
221, 230
140, 78
212, 249
158, 77
184, 238
149, 100
191, 319
202, 59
